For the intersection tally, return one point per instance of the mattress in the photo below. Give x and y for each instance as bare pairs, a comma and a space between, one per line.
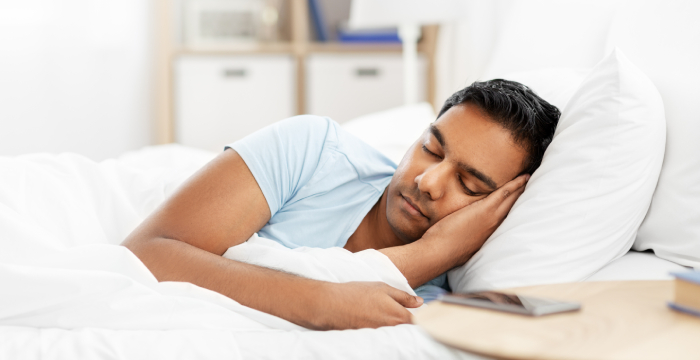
636, 265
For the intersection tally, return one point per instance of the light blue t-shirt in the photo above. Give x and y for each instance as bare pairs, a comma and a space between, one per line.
318, 180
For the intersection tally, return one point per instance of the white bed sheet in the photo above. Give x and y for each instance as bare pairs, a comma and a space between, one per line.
401, 342
70, 292
637, 265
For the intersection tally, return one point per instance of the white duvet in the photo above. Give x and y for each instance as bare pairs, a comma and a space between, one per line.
69, 291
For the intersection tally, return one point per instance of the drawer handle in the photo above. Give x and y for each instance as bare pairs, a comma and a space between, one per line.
367, 72
235, 73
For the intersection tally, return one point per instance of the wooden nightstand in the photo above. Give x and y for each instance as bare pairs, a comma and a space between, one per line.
618, 320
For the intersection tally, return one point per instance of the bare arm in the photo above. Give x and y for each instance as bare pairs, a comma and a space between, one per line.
222, 206
455, 238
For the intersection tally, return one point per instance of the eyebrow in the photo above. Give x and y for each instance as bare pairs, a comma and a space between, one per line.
466, 168
438, 135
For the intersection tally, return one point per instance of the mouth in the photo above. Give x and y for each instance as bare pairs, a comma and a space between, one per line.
411, 207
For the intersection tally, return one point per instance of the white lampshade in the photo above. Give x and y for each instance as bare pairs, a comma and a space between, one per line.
390, 13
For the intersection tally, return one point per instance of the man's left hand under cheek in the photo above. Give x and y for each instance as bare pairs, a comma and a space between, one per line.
462, 233
454, 239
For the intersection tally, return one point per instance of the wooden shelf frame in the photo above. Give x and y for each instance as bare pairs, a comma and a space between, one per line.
300, 46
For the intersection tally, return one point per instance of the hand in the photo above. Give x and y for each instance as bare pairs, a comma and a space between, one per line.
455, 238
356, 305
462, 233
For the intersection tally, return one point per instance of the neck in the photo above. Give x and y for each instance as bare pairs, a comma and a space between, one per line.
374, 231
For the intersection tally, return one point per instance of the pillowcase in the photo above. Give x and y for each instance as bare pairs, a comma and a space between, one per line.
582, 208
556, 85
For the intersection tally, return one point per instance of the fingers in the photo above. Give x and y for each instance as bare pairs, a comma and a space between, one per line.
505, 193
508, 202
402, 316
404, 298
513, 186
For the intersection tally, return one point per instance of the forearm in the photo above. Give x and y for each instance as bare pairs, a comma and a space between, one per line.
274, 292
432, 255
422, 260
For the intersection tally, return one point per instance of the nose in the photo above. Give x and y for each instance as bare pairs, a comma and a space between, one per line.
432, 181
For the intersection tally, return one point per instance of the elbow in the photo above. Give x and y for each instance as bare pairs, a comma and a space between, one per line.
145, 248
136, 244
160, 255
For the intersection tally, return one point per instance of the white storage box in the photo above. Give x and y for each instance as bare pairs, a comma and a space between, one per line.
220, 99
345, 86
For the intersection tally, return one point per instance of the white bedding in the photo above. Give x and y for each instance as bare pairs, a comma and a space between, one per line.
637, 265
69, 290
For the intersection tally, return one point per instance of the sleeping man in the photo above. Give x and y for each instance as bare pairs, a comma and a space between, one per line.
305, 182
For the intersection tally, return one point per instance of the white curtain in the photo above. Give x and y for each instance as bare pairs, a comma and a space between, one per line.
75, 76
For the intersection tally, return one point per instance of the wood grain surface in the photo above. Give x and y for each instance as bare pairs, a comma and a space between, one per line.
618, 320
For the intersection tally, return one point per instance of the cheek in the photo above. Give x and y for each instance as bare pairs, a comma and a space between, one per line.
409, 167
455, 202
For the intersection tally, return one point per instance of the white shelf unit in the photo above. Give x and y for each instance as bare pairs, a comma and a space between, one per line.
199, 105
344, 86
220, 99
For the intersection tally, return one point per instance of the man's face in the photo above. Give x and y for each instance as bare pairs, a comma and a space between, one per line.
461, 158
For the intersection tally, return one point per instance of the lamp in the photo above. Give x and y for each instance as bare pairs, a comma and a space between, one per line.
408, 16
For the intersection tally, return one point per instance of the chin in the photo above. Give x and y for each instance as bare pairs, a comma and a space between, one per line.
406, 230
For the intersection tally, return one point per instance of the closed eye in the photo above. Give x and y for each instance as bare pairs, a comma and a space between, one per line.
430, 152
459, 178
465, 188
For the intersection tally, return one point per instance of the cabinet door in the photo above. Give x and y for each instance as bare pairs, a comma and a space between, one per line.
345, 86
220, 99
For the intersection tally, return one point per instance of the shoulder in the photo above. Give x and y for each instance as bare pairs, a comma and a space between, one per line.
302, 138
322, 144
284, 156
305, 126
306, 139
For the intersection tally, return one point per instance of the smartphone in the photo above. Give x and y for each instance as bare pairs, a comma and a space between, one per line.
519, 304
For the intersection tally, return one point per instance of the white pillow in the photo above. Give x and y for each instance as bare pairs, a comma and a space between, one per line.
582, 208
392, 131
556, 85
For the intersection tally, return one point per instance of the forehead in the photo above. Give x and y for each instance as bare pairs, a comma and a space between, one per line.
473, 139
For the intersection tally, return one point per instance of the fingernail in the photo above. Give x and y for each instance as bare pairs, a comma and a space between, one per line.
419, 299
527, 177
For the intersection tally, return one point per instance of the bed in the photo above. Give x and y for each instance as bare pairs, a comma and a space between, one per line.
70, 292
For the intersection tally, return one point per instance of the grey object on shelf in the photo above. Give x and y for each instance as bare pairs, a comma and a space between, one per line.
217, 22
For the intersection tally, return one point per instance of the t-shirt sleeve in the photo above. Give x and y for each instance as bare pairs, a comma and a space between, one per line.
284, 156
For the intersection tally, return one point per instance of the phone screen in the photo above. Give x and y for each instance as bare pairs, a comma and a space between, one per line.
493, 297
520, 304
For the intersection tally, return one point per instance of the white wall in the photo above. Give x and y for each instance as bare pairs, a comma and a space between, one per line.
497, 37
75, 76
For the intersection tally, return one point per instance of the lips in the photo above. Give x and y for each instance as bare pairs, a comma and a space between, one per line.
412, 208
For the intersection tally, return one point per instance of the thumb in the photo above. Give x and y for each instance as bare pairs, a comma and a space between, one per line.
404, 298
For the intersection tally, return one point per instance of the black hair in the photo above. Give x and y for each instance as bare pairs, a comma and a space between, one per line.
530, 119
